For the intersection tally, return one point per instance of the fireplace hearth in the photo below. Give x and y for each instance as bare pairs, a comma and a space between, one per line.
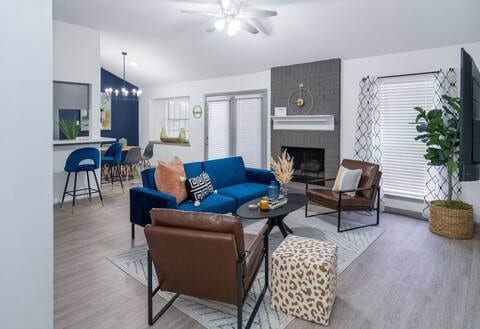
309, 163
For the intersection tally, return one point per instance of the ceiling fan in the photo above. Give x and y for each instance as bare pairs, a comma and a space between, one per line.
234, 15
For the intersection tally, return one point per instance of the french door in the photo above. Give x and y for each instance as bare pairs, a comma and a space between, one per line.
236, 124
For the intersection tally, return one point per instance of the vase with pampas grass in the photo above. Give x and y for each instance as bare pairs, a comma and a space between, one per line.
283, 170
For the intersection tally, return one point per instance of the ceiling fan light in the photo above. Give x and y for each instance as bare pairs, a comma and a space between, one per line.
233, 27
220, 24
226, 3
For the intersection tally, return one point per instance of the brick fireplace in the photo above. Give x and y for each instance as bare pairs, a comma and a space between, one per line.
309, 163
317, 151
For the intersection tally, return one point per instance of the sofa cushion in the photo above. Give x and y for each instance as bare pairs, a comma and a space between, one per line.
148, 178
215, 203
243, 193
226, 172
193, 169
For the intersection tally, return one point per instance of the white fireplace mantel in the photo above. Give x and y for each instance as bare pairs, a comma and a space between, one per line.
304, 122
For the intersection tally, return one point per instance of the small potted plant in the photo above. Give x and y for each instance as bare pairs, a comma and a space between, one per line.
439, 130
69, 128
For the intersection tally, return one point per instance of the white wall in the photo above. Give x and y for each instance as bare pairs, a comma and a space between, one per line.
196, 91
26, 246
76, 58
352, 72
410, 62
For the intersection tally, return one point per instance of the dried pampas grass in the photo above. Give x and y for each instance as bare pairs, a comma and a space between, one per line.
283, 168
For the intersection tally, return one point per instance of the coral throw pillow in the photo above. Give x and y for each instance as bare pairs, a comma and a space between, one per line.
170, 178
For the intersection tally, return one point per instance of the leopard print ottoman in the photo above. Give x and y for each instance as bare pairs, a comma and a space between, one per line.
303, 278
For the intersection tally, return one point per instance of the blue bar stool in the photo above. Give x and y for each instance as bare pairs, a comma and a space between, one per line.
112, 160
86, 160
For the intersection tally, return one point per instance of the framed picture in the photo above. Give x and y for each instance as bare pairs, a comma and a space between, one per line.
280, 111
105, 112
84, 120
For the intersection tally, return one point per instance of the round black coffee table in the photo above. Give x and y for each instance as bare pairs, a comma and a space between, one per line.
275, 216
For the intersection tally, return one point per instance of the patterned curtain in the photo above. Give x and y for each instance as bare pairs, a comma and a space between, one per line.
367, 133
437, 185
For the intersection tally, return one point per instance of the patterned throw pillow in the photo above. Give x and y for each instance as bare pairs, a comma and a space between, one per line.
198, 188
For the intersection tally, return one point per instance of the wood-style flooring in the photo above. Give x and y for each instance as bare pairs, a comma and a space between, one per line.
409, 278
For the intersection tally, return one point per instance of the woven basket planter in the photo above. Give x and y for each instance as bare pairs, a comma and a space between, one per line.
451, 223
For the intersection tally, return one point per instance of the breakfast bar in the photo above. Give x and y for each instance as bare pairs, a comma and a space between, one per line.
61, 149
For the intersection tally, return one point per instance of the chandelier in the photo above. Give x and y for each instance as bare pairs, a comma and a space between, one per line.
123, 93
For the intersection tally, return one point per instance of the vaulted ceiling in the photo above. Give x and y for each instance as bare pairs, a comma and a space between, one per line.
169, 46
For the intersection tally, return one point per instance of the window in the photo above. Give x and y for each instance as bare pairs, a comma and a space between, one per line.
218, 128
236, 125
403, 163
177, 116
249, 130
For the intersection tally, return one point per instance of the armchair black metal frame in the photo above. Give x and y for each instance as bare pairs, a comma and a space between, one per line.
341, 208
241, 263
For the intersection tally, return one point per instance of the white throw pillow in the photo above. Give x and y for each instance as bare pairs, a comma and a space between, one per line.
347, 179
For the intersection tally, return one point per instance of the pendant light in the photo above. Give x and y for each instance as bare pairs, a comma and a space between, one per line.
123, 93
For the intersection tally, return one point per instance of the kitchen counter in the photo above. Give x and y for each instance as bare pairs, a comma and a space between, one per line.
83, 140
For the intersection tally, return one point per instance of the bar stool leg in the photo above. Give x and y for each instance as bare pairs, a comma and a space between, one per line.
89, 188
74, 190
98, 187
120, 177
65, 190
111, 175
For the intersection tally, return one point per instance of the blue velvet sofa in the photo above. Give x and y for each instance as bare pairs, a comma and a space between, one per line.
235, 185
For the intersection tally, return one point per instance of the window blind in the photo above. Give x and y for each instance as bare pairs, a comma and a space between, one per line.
403, 164
218, 129
177, 116
249, 124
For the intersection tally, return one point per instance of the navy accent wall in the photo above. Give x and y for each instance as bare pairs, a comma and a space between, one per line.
124, 113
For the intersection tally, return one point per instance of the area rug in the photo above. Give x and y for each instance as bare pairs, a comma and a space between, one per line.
215, 315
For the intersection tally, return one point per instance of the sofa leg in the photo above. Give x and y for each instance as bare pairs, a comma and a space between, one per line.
133, 231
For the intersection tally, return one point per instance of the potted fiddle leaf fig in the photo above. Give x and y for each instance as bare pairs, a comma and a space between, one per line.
439, 130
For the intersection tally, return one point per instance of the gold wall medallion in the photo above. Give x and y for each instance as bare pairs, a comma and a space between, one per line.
301, 100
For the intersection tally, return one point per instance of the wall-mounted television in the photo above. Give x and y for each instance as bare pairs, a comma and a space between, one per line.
469, 119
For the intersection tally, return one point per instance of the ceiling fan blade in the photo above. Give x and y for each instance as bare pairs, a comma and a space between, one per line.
258, 13
262, 25
246, 26
200, 12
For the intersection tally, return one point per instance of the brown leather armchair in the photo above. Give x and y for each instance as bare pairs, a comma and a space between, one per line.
206, 256
364, 199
